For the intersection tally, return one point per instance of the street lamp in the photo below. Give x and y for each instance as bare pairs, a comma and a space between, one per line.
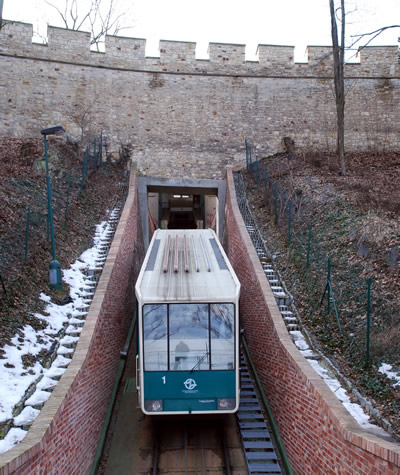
54, 267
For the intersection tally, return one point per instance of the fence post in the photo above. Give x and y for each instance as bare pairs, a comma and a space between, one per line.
84, 168
368, 319
266, 178
289, 222
328, 289
276, 202
309, 246
329, 284
250, 162
247, 154
94, 161
68, 191
2, 284
257, 171
101, 149
28, 218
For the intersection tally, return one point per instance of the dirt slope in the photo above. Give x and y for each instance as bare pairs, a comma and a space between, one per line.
353, 220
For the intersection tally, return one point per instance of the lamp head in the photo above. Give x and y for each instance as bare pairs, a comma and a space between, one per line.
57, 130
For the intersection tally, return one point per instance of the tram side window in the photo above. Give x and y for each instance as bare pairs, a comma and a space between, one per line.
188, 333
222, 317
155, 335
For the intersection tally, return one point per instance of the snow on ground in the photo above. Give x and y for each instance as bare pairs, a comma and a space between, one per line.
356, 410
15, 379
386, 369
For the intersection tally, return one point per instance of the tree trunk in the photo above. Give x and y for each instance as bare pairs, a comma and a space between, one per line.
338, 74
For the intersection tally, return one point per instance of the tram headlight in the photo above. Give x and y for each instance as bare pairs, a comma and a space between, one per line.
225, 404
153, 405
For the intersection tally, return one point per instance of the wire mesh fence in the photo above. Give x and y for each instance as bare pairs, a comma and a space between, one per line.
27, 205
338, 287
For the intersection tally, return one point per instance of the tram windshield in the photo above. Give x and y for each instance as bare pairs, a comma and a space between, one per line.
189, 337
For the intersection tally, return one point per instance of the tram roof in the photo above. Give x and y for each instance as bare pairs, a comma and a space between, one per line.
185, 266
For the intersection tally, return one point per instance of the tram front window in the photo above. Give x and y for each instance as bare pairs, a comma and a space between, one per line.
197, 337
188, 337
222, 336
155, 337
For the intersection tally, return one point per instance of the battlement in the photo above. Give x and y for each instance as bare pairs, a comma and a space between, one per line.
177, 52
222, 53
180, 56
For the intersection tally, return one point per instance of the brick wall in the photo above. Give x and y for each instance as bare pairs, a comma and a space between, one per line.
186, 117
63, 439
320, 436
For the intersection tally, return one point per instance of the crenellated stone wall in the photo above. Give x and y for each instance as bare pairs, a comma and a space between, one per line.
188, 117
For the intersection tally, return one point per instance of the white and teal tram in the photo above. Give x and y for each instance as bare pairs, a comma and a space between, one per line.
188, 326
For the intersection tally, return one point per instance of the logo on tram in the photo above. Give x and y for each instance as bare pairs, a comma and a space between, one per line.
190, 384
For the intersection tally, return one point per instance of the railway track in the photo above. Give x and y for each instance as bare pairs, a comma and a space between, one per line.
218, 445
199, 446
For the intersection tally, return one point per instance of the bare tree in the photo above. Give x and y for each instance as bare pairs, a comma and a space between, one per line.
100, 18
82, 117
338, 75
339, 13
1, 14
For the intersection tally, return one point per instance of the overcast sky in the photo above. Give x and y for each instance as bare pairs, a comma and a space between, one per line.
251, 22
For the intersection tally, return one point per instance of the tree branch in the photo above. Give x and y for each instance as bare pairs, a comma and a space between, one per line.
99, 21
62, 15
374, 34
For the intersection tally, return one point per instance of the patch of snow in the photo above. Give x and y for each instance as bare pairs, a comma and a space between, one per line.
61, 361
307, 353
38, 398
27, 416
69, 340
358, 413
45, 297
55, 372
14, 376
386, 369
13, 438
46, 383
299, 340
356, 410
62, 350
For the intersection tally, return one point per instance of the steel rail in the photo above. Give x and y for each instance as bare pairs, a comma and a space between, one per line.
156, 456
226, 453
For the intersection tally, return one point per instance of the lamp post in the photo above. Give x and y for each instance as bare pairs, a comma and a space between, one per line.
54, 267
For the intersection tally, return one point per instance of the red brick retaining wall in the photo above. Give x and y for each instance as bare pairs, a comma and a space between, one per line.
64, 437
319, 434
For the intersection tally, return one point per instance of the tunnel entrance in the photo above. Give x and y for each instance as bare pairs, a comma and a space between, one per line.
182, 211
181, 204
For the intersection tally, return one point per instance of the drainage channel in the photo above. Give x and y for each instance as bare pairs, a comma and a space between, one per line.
258, 445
